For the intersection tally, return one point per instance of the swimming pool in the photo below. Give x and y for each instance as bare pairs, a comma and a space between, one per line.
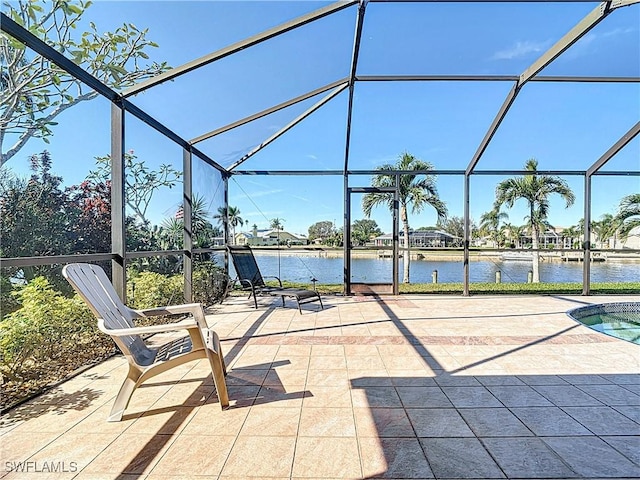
620, 320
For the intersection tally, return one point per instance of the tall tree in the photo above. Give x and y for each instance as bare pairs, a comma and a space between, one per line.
277, 224
141, 182
455, 226
535, 190
172, 229
34, 91
322, 230
490, 225
89, 213
605, 229
629, 214
513, 233
573, 234
363, 230
233, 217
34, 218
416, 190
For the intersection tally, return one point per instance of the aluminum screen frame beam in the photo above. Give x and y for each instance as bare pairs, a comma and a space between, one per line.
352, 78
615, 148
187, 225
494, 78
41, 48
568, 39
268, 111
118, 212
571, 37
493, 128
288, 127
484, 1
608, 155
238, 46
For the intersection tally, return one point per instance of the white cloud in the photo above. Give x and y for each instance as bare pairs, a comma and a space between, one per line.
263, 193
618, 31
521, 49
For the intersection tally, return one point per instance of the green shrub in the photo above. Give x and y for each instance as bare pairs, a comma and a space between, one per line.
150, 289
49, 333
210, 283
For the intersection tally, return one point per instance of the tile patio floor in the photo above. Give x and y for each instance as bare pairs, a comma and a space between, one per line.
397, 387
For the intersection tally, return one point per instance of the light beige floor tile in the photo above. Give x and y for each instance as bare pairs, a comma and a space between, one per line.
285, 377
337, 397
327, 422
327, 457
184, 394
109, 476
291, 363
327, 350
288, 351
327, 362
97, 421
71, 453
54, 421
272, 422
131, 453
327, 378
195, 455
361, 362
260, 457
165, 421
210, 420
19, 446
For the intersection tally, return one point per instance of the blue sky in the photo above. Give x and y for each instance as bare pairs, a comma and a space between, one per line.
566, 126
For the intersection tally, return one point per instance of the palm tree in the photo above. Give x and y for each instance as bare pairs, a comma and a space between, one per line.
417, 190
234, 218
277, 224
535, 189
490, 224
513, 234
629, 214
606, 228
572, 234
171, 233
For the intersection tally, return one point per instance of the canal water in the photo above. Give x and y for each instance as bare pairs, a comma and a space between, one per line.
378, 270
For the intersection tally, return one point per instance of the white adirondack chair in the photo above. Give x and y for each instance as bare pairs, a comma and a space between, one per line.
117, 320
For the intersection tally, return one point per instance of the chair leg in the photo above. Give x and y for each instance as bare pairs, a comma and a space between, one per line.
124, 395
218, 368
255, 297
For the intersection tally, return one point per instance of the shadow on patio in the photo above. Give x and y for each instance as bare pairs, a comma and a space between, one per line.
406, 387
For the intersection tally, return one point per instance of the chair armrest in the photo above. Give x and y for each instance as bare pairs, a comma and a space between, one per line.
245, 283
185, 324
195, 309
170, 310
273, 276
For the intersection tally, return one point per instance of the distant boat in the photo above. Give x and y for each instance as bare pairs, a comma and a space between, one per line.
517, 257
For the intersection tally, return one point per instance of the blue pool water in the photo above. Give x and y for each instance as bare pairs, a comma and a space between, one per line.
620, 320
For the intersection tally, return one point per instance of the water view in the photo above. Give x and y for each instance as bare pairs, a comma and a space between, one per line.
374, 270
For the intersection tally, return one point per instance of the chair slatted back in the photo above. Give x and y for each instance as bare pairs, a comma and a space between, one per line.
245, 264
93, 285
